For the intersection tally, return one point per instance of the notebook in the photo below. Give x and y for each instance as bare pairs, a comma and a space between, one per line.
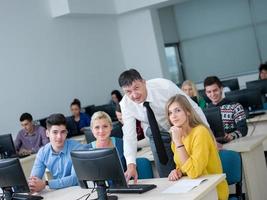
184, 186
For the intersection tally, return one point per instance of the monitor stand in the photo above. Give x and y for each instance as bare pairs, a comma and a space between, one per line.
101, 190
7, 193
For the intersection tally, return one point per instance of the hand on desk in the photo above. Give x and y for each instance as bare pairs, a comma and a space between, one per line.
228, 137
24, 152
175, 175
36, 184
131, 172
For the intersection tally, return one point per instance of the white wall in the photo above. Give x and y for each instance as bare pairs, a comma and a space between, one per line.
168, 24
46, 62
216, 38
142, 43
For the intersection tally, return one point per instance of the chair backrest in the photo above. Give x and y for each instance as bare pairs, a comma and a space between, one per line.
144, 168
89, 135
232, 166
115, 132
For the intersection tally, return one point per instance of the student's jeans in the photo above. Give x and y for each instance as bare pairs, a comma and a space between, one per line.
163, 170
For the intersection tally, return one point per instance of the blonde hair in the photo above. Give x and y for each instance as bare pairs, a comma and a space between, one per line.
100, 115
191, 84
194, 119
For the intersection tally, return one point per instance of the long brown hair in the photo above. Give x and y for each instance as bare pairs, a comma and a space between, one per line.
194, 119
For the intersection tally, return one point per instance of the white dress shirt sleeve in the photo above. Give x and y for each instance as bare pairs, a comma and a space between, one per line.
129, 134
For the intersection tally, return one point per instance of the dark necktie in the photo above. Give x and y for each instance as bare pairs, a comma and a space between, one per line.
163, 158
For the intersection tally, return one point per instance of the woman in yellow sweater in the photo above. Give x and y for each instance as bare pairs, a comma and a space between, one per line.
193, 145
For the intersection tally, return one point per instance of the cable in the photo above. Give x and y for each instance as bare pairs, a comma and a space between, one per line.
86, 195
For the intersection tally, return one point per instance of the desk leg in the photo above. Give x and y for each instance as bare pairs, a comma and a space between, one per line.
212, 195
255, 172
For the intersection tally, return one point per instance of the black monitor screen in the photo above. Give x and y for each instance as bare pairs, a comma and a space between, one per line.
12, 178
91, 165
214, 119
7, 148
231, 83
250, 99
258, 85
99, 165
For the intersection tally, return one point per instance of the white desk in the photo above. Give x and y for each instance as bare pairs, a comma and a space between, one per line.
146, 153
205, 191
254, 165
27, 164
258, 126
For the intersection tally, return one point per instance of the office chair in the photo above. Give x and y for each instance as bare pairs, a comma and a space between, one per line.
144, 168
232, 167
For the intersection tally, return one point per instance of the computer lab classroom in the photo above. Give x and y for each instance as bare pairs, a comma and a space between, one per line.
55, 53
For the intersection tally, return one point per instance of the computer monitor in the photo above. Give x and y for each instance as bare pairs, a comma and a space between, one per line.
98, 165
12, 179
214, 119
250, 99
104, 168
7, 148
231, 83
258, 85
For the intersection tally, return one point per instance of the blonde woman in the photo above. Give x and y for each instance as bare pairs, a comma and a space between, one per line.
193, 145
101, 126
191, 90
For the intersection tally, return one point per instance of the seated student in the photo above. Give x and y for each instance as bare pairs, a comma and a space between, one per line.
31, 138
115, 97
263, 71
139, 129
78, 121
191, 90
55, 156
193, 145
101, 125
233, 114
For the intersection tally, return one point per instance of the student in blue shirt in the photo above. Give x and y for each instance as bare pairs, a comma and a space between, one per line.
78, 121
55, 156
101, 125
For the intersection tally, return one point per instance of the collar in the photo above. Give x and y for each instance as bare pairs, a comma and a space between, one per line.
62, 151
149, 97
33, 132
223, 102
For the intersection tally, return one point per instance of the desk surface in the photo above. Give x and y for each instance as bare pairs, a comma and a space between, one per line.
197, 193
258, 118
245, 144
27, 164
146, 153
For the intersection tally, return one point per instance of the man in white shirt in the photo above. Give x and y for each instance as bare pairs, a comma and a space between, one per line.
156, 92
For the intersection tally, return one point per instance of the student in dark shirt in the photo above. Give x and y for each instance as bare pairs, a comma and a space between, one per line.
115, 97
233, 114
263, 71
78, 121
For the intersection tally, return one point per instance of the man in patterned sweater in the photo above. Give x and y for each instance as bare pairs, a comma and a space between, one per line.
233, 114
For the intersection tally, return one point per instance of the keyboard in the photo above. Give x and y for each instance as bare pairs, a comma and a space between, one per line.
25, 197
255, 113
133, 188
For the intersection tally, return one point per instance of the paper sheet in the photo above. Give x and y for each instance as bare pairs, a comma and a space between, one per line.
184, 186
